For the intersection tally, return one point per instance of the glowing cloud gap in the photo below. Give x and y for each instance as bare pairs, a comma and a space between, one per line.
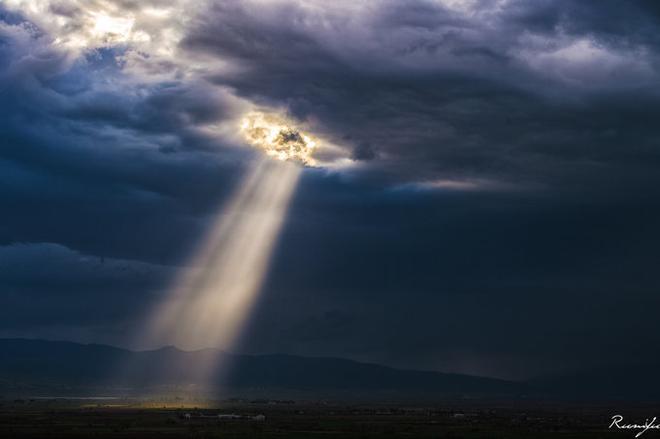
209, 305
278, 137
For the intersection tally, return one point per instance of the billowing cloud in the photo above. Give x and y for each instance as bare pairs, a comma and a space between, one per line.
445, 91
436, 88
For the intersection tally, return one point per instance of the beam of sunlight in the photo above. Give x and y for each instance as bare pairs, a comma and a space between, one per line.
207, 307
209, 304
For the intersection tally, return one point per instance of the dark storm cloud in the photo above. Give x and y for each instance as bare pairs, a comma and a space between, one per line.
363, 151
535, 93
500, 218
614, 22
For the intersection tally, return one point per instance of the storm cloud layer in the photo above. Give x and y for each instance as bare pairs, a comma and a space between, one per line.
486, 198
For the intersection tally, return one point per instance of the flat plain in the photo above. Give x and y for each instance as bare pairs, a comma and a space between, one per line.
118, 418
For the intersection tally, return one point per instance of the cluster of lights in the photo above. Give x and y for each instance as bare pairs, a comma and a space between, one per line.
278, 138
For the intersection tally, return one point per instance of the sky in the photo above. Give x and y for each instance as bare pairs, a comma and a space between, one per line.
484, 199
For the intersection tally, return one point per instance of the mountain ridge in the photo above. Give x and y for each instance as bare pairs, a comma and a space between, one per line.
30, 366
35, 363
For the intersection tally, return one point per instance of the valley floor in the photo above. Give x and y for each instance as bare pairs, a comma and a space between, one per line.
61, 418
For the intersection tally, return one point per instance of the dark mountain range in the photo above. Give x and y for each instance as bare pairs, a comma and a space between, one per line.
53, 367
39, 367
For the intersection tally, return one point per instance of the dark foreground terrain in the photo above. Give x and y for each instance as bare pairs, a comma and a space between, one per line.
114, 418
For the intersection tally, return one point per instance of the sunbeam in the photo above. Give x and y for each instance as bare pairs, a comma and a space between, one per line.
207, 306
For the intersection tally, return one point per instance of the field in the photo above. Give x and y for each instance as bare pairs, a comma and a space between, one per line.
81, 418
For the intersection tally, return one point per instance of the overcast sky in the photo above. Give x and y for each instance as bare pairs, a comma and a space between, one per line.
486, 198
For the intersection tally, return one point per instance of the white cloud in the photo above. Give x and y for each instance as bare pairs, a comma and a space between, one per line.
586, 63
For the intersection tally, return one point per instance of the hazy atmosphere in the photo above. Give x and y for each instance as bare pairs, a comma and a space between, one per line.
464, 186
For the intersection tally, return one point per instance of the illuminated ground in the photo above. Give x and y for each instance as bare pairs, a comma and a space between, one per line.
124, 419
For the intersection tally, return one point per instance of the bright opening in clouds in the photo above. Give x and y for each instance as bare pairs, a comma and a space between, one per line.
278, 138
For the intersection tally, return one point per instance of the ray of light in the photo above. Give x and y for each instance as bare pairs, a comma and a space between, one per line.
209, 303
208, 306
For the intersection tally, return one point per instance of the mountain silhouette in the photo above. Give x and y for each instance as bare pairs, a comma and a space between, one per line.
40, 367
56, 367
